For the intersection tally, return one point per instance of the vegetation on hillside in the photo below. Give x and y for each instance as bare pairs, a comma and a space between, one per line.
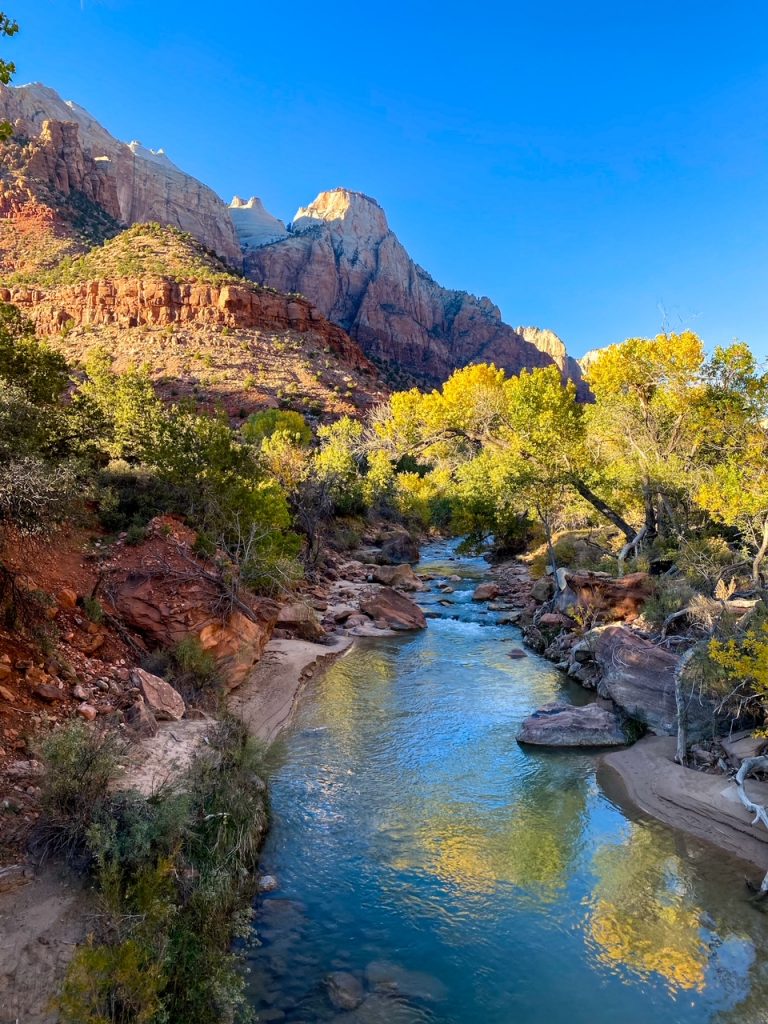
144, 250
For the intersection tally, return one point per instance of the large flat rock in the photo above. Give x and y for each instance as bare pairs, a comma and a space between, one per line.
564, 725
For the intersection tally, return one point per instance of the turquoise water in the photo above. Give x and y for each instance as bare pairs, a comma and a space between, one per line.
466, 880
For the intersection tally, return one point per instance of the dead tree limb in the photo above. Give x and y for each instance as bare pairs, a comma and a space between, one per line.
749, 765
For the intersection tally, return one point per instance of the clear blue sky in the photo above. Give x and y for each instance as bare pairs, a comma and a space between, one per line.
597, 168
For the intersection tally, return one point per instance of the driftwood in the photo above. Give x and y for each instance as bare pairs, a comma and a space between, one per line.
749, 765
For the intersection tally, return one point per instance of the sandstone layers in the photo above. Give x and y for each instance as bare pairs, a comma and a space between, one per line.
160, 301
131, 183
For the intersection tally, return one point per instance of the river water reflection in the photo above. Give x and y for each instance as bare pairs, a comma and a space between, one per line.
476, 882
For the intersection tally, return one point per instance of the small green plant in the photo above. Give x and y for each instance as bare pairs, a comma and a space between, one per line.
93, 609
135, 534
194, 662
670, 596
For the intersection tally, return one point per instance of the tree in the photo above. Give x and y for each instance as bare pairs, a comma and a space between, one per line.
734, 448
640, 428
512, 445
261, 425
8, 27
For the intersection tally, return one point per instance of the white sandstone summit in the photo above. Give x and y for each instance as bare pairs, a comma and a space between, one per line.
254, 225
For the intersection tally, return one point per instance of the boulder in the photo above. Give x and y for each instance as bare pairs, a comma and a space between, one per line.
486, 592
394, 609
301, 620
140, 720
398, 548
163, 701
559, 724
49, 694
640, 678
607, 599
344, 990
542, 589
157, 590
401, 576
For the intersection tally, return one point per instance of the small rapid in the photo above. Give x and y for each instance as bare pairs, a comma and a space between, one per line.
462, 879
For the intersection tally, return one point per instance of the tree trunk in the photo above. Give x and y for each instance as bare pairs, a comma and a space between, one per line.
681, 707
604, 509
761, 552
749, 764
651, 523
628, 547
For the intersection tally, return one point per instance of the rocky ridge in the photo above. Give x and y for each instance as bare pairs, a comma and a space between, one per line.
341, 253
128, 182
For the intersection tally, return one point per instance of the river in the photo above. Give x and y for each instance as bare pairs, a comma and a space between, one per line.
466, 880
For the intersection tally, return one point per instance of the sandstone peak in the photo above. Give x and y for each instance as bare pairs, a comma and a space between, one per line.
254, 224
345, 213
148, 186
544, 340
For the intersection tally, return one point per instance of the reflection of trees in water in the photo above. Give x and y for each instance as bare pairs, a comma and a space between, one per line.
350, 697
642, 914
529, 843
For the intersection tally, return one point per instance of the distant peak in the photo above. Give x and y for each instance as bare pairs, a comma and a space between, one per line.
349, 212
254, 224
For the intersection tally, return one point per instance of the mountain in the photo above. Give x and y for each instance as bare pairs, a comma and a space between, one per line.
341, 253
83, 163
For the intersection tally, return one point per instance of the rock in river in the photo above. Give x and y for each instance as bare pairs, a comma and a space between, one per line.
396, 610
344, 990
564, 725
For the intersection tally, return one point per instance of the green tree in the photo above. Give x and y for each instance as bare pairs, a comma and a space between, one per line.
8, 27
264, 424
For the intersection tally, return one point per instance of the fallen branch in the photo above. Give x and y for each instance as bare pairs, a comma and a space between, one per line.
749, 765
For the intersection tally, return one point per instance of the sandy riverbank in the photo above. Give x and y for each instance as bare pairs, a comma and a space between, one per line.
267, 700
705, 806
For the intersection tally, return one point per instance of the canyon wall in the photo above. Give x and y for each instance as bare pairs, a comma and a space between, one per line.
135, 183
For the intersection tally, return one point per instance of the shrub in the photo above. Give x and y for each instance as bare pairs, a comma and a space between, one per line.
703, 560
93, 609
175, 875
80, 762
671, 595
135, 534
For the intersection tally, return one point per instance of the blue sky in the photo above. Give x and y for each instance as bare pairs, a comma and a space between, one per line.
596, 168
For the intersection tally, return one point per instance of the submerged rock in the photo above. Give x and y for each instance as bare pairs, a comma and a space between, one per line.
344, 990
386, 976
564, 725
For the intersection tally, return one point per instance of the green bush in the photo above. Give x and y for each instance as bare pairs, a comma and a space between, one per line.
93, 609
263, 424
176, 877
80, 763
671, 595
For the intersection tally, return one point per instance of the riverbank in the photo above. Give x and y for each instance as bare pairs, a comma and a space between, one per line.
705, 806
